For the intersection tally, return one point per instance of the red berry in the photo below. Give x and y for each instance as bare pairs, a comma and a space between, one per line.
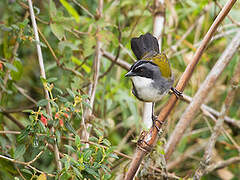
61, 122
56, 116
66, 115
44, 120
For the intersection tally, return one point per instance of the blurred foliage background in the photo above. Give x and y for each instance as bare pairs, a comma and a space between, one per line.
68, 34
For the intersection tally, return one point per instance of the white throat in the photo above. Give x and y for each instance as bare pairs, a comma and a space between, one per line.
145, 89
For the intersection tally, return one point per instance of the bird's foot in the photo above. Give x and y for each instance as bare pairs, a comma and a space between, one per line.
177, 93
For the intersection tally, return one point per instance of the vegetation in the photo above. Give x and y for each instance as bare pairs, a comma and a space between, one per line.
88, 123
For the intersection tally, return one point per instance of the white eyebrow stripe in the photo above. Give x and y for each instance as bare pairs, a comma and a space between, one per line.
140, 66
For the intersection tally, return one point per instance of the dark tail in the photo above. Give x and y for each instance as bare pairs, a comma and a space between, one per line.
144, 44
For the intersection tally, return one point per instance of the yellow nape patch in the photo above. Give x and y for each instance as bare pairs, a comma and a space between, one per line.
163, 64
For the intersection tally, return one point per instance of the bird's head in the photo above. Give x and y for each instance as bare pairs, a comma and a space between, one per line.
151, 67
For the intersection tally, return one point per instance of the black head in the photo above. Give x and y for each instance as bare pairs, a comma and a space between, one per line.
143, 68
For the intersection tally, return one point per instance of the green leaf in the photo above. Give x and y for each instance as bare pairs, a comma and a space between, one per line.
87, 155
69, 127
52, 79
70, 148
98, 132
113, 155
99, 156
71, 10
11, 67
52, 9
43, 80
77, 141
106, 142
58, 136
42, 102
26, 171
54, 104
67, 164
19, 151
78, 62
92, 172
93, 139
88, 44
23, 134
70, 92
58, 30
62, 99
35, 142
16, 75
77, 172
58, 90
66, 44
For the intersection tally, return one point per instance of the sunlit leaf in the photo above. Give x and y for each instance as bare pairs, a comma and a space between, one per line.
70, 10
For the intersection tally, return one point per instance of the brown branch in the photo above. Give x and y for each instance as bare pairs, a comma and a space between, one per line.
229, 17
188, 153
17, 110
148, 139
218, 126
9, 116
22, 91
123, 64
222, 164
201, 94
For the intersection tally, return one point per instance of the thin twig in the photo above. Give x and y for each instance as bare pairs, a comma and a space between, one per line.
222, 164
42, 72
201, 94
229, 17
57, 60
9, 116
118, 53
22, 91
218, 126
188, 153
175, 46
93, 86
81, 6
26, 164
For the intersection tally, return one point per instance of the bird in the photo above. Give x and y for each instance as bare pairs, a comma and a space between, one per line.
151, 74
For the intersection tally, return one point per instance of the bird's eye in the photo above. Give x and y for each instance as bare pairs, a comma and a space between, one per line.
140, 69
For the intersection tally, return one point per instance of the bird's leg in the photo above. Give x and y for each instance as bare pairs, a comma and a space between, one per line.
176, 92
155, 118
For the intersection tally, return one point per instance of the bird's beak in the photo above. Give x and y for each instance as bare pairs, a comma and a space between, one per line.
129, 73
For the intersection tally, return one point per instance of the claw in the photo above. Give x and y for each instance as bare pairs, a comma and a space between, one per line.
154, 119
176, 92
